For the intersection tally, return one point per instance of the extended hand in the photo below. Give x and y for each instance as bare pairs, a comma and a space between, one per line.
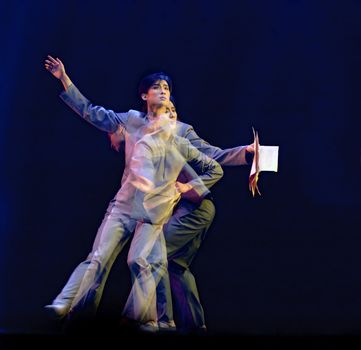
250, 148
55, 67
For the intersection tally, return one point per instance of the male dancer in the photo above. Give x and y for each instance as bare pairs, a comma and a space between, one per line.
183, 233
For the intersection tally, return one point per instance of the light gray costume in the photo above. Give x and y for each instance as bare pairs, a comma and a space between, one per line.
157, 160
183, 233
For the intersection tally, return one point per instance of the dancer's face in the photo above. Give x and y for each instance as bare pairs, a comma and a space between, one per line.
167, 110
157, 95
172, 111
165, 117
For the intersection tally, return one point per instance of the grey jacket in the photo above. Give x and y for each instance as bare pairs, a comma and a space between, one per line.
109, 121
155, 166
132, 124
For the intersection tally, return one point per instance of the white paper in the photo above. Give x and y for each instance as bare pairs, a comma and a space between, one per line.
265, 159
268, 158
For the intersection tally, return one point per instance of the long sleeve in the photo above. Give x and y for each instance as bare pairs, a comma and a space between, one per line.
104, 119
201, 171
228, 157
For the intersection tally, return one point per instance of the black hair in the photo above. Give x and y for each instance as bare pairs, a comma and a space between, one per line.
172, 99
150, 79
146, 83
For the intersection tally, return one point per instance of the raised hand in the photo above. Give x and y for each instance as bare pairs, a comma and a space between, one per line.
55, 67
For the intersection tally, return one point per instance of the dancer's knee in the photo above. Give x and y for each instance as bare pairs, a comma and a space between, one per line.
140, 263
206, 212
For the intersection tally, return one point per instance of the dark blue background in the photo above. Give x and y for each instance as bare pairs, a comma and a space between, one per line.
286, 262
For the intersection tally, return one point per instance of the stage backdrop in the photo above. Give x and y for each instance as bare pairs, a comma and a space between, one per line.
285, 262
